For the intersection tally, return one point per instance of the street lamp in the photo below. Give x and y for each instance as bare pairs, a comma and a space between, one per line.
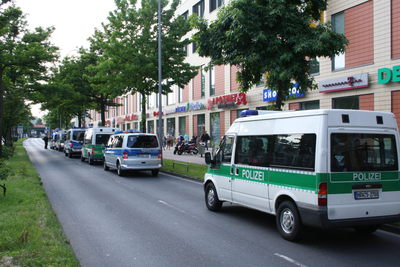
160, 126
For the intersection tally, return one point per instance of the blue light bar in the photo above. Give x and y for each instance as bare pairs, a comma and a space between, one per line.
246, 113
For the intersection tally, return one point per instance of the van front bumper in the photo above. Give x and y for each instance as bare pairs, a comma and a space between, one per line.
318, 217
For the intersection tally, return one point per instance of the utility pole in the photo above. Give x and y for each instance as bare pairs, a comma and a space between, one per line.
160, 125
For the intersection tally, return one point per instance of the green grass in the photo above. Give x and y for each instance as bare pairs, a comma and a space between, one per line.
30, 234
191, 170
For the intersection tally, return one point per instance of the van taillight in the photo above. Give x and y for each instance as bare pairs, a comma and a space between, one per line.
93, 147
70, 145
125, 155
323, 194
159, 155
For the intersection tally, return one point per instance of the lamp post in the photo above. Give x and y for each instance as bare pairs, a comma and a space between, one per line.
160, 126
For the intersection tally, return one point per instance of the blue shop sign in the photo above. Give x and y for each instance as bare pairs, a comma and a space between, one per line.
294, 92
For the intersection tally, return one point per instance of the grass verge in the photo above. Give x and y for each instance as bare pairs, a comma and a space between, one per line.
30, 234
192, 170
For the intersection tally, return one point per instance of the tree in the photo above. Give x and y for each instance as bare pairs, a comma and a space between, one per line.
269, 36
23, 55
130, 48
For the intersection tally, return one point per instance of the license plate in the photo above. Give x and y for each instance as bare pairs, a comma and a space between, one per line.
367, 194
143, 155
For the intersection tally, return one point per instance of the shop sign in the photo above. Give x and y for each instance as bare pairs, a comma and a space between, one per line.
294, 92
180, 109
344, 83
228, 101
169, 111
386, 75
195, 106
131, 117
155, 113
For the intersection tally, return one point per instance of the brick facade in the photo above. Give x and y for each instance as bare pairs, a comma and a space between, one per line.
197, 86
219, 79
367, 102
395, 22
234, 84
359, 30
185, 96
396, 105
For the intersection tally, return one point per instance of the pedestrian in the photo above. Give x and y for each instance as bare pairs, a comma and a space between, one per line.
46, 141
204, 138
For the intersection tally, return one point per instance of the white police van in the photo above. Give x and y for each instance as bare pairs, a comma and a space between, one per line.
73, 141
325, 168
130, 150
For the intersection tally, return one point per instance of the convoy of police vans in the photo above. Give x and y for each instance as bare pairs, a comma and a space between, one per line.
323, 168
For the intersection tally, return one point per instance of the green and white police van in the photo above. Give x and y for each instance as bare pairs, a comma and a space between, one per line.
325, 168
94, 142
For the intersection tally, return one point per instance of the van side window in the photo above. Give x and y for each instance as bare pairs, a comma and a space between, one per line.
110, 142
253, 150
88, 138
294, 151
225, 151
118, 141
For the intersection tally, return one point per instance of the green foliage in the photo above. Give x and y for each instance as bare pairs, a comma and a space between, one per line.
129, 42
30, 232
192, 170
4, 170
268, 36
23, 58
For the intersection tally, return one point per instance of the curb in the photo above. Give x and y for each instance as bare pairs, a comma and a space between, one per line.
183, 176
394, 229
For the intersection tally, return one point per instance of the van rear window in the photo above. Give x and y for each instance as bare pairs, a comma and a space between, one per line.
142, 141
78, 135
352, 152
102, 139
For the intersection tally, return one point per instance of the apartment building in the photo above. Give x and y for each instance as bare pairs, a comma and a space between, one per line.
366, 76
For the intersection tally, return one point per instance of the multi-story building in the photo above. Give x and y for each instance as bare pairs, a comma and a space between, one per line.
366, 76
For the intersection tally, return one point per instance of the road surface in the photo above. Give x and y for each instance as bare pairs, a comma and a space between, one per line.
140, 220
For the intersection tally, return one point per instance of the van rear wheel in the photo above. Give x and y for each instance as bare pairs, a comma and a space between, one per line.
90, 160
288, 221
212, 201
120, 171
105, 167
366, 229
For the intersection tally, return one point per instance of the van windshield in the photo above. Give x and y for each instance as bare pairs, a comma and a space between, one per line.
78, 135
142, 141
352, 152
102, 139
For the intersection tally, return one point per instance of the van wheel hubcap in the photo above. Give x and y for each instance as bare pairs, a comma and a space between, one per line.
287, 221
211, 197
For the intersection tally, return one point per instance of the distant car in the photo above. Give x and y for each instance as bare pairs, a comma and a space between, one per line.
61, 140
94, 142
73, 142
133, 151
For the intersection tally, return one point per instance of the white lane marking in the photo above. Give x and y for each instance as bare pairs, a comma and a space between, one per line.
171, 206
290, 260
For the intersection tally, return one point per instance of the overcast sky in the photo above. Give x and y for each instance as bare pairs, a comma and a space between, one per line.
74, 21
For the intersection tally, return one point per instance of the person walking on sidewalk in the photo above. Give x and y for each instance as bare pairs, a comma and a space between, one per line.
204, 138
46, 141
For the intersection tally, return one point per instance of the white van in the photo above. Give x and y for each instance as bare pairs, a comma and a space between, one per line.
326, 168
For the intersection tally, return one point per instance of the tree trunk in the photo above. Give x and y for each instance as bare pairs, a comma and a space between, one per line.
80, 121
103, 113
1, 110
143, 120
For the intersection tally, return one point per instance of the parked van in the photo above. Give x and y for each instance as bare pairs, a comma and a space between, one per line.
133, 151
94, 142
326, 168
73, 141
61, 140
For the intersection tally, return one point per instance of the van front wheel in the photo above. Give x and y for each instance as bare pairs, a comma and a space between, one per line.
288, 221
212, 201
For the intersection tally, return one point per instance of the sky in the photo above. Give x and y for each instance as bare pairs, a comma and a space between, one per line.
74, 22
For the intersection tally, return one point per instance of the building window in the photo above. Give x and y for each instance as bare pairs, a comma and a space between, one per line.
199, 9
348, 102
180, 95
203, 83
214, 4
309, 105
185, 14
201, 124
338, 62
215, 128
314, 66
182, 126
212, 80
194, 47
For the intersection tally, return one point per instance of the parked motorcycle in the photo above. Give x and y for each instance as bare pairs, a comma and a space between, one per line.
188, 148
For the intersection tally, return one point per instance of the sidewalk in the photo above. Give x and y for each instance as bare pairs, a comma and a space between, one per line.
190, 158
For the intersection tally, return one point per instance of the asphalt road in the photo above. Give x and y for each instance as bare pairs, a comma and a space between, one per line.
142, 220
